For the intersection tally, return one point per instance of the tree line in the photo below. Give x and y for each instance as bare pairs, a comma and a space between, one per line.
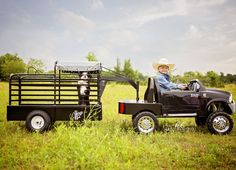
210, 78
12, 63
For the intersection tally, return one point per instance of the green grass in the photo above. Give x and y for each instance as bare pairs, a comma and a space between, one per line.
112, 143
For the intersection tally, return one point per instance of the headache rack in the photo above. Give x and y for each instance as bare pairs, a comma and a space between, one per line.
60, 88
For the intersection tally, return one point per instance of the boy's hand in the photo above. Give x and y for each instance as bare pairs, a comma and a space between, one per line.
183, 86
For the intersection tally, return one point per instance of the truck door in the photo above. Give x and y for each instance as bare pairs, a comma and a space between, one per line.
181, 101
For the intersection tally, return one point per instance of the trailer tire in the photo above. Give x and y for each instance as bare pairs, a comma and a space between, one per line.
145, 122
200, 121
220, 123
38, 121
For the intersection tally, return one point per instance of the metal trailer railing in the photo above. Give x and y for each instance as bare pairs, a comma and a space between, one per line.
47, 89
59, 88
58, 94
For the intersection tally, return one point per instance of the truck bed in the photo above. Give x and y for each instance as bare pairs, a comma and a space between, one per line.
132, 107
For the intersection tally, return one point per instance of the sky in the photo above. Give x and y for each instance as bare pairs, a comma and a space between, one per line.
195, 35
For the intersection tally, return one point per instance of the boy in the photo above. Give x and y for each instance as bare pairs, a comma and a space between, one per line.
163, 78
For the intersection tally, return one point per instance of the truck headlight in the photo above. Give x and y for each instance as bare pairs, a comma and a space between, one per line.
231, 98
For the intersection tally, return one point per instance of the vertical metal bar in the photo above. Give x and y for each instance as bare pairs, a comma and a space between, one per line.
55, 72
10, 91
59, 87
19, 91
98, 87
137, 91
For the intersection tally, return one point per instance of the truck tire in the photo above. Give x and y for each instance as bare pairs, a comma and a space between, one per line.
145, 122
38, 121
220, 123
200, 121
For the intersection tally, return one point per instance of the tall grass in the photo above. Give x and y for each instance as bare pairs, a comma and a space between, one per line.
112, 143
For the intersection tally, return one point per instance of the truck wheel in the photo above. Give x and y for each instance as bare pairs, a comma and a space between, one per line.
220, 123
200, 121
38, 121
145, 122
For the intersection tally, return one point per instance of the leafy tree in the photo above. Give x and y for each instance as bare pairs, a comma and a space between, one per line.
35, 65
10, 63
230, 78
118, 68
128, 70
214, 79
91, 57
211, 78
189, 76
177, 78
141, 78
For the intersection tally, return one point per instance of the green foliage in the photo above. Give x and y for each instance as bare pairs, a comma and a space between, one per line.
11, 63
211, 78
228, 78
214, 79
128, 71
35, 66
91, 57
112, 143
117, 67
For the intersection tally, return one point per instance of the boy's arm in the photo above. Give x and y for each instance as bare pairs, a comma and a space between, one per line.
166, 84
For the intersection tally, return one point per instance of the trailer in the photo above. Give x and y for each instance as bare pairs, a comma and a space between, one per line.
72, 92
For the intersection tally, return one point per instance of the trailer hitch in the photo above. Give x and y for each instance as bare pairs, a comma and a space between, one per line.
119, 78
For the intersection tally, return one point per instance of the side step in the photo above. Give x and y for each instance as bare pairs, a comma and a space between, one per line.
180, 115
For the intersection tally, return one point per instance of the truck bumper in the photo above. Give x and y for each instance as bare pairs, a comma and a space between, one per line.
232, 107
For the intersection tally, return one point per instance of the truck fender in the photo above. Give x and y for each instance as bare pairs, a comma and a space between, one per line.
144, 110
222, 100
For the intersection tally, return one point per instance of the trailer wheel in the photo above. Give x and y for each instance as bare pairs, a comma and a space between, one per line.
200, 121
220, 123
38, 121
145, 122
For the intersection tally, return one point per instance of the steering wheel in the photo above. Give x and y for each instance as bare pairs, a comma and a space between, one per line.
193, 86
189, 86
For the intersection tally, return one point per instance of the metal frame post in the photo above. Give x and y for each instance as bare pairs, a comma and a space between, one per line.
55, 92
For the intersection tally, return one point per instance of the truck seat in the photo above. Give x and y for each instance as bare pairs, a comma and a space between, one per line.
152, 93
157, 91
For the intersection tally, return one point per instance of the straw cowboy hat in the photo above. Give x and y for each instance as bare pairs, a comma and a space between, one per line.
162, 62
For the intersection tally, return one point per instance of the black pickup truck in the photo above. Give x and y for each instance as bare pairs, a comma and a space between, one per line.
209, 107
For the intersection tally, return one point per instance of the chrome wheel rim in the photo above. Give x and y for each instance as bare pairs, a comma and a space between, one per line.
146, 124
37, 122
221, 124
